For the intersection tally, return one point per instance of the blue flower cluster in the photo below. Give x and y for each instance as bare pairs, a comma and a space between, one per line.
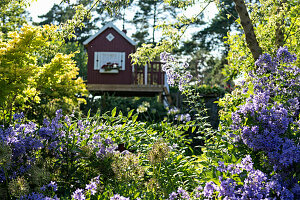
118, 197
27, 143
52, 185
268, 121
37, 196
253, 186
256, 185
91, 188
176, 72
240, 182
183, 117
23, 143
179, 194
78, 194
104, 147
278, 76
173, 111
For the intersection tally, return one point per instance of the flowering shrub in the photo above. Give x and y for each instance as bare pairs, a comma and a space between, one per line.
61, 157
176, 71
265, 122
260, 123
183, 117
269, 120
239, 181
242, 181
253, 155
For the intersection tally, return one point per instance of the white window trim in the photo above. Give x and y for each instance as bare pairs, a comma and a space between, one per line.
99, 56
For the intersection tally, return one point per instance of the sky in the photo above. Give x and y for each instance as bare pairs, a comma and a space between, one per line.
41, 7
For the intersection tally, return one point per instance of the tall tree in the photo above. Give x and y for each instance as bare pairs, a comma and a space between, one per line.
266, 18
143, 15
148, 15
33, 88
12, 16
207, 46
247, 25
103, 16
212, 36
60, 13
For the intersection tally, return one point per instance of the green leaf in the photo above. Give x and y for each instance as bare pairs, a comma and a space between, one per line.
193, 129
88, 114
130, 113
226, 157
113, 112
120, 114
134, 117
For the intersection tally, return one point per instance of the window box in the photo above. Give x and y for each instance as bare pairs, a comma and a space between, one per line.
110, 68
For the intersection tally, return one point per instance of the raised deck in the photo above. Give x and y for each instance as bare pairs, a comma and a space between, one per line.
146, 81
126, 90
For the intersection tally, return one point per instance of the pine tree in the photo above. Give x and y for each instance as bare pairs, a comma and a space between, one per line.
60, 13
148, 16
207, 47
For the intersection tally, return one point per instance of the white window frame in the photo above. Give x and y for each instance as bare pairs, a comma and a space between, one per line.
100, 56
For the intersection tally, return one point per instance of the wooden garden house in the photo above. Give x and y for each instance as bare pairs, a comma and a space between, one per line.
110, 69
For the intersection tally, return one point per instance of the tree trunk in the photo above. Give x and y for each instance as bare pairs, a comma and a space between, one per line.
154, 22
247, 25
279, 27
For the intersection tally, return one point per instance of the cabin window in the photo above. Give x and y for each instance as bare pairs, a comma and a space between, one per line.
109, 60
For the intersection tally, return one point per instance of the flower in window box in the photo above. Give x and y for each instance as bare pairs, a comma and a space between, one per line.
110, 66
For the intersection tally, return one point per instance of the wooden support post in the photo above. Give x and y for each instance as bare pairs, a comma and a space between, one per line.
145, 74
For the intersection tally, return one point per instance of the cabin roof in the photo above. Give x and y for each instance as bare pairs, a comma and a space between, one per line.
109, 25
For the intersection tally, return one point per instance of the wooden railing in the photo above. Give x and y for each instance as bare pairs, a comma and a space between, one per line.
149, 74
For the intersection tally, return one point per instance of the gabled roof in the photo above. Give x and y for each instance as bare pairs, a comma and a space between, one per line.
109, 25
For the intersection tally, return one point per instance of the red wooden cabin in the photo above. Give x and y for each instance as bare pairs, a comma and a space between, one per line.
110, 69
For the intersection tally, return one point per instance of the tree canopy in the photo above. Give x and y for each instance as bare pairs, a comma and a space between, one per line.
36, 78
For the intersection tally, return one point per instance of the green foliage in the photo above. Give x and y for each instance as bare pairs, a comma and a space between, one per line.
153, 111
75, 151
148, 16
206, 47
268, 17
202, 48
80, 57
172, 34
12, 16
61, 13
25, 84
209, 90
147, 52
206, 68
229, 104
